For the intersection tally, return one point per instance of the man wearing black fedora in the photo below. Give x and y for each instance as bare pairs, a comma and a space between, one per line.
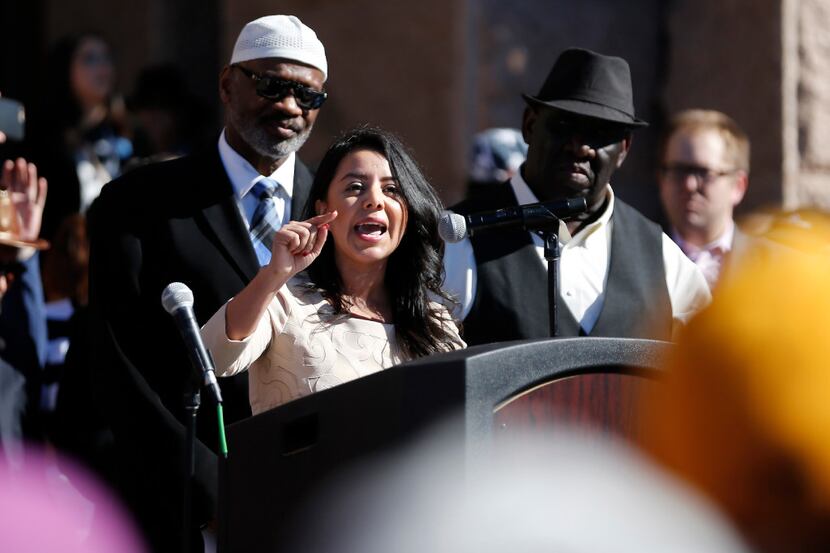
619, 275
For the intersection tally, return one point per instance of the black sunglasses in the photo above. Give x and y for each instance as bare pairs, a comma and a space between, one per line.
275, 88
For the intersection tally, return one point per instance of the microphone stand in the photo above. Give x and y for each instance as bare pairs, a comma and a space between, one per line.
552, 255
549, 233
192, 400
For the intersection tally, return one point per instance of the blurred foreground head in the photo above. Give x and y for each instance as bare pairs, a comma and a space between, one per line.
46, 508
559, 492
745, 414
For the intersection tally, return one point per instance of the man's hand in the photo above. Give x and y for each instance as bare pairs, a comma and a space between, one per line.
28, 193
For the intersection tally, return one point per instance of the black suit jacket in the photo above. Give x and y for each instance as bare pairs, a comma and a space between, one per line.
172, 221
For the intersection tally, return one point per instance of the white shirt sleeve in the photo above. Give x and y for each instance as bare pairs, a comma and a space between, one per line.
234, 356
460, 276
688, 291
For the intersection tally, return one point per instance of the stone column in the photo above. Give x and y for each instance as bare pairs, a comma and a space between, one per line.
808, 173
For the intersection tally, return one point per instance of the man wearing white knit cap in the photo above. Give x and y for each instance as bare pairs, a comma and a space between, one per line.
204, 220
272, 89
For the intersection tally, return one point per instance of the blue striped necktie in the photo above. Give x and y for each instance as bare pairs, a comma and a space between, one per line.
267, 218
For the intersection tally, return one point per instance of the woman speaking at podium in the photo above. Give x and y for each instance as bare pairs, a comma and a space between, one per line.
369, 296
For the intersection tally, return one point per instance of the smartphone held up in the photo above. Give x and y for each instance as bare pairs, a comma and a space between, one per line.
12, 119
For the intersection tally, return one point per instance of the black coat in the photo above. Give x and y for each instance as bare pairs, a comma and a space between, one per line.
172, 221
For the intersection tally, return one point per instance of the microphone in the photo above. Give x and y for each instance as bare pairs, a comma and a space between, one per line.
454, 227
177, 299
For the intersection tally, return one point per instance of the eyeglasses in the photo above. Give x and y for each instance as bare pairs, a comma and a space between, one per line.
275, 88
702, 175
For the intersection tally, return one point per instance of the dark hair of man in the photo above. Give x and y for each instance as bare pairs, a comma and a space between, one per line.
415, 270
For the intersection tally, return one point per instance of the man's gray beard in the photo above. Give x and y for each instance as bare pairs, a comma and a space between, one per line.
263, 143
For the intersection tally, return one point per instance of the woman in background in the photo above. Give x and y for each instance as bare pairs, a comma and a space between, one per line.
371, 246
80, 136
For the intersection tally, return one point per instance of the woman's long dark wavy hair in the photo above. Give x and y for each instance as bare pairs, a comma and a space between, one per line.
415, 270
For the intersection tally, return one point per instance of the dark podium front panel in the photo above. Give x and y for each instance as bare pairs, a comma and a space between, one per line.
604, 402
277, 458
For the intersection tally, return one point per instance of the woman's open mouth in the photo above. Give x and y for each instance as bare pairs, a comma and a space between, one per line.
370, 230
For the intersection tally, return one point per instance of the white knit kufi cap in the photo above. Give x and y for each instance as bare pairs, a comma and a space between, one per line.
280, 36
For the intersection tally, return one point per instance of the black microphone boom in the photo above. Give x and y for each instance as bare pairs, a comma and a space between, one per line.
454, 227
177, 300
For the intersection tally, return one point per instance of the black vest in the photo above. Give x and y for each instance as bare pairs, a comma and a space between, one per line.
511, 301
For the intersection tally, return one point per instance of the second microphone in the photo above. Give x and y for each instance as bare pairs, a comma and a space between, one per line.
454, 227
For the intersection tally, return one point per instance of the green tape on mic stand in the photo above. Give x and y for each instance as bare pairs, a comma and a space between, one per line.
223, 444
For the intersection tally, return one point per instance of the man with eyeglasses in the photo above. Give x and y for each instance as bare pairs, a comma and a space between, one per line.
703, 176
205, 220
620, 275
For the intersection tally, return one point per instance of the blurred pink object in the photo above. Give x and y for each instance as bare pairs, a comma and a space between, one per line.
47, 508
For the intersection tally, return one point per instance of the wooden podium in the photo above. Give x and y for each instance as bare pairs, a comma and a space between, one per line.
278, 457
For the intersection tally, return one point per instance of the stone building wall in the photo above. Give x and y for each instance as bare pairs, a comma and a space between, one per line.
810, 182
767, 64
438, 71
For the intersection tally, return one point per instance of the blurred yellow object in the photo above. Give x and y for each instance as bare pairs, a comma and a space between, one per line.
803, 229
745, 413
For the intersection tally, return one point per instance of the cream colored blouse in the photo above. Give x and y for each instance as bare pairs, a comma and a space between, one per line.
299, 347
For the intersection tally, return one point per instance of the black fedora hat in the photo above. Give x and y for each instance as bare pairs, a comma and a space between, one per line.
590, 84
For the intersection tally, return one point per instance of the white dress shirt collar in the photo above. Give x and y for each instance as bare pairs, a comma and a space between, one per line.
709, 258
244, 176
719, 246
